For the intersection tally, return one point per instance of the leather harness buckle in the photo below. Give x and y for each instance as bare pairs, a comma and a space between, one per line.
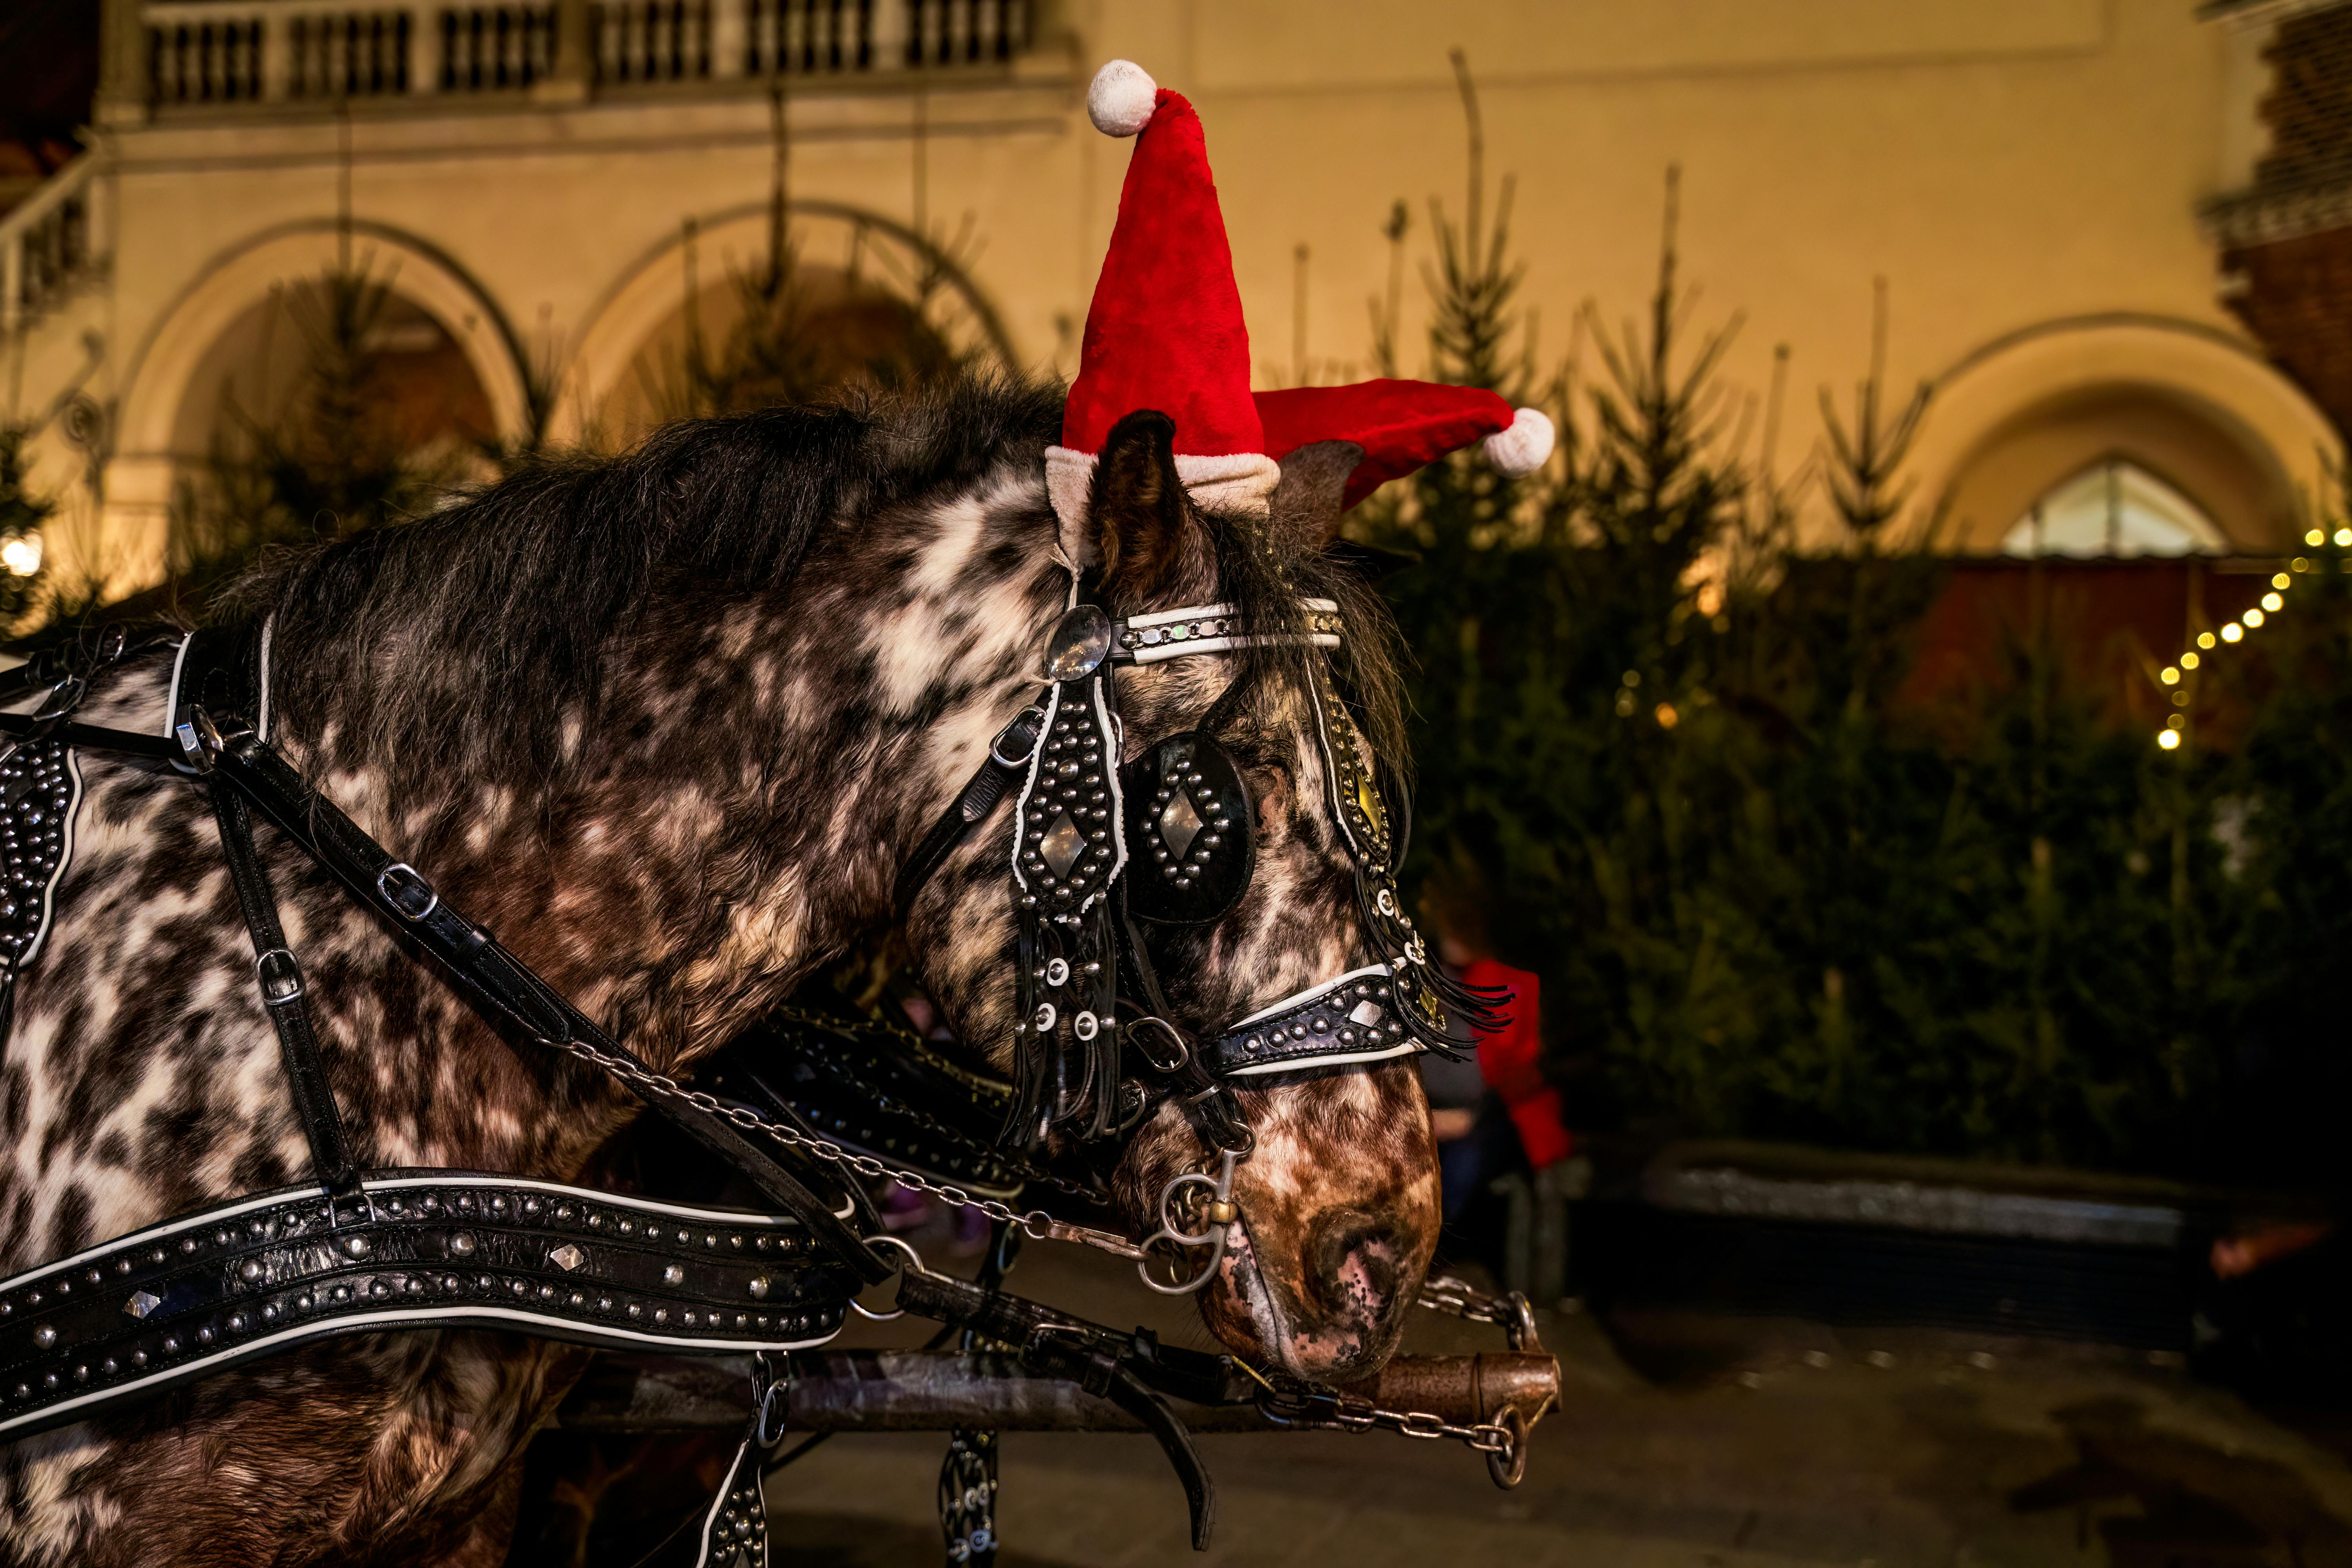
408, 893
280, 976
1026, 726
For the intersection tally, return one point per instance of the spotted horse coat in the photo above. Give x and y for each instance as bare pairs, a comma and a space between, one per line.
668, 723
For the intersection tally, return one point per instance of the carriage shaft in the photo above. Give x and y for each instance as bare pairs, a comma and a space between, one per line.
933, 1391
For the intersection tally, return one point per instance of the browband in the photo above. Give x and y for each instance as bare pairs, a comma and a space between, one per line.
1212, 628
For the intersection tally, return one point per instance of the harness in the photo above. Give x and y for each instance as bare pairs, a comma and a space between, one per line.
365, 1251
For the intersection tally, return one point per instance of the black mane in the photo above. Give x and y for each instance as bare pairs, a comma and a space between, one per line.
500, 611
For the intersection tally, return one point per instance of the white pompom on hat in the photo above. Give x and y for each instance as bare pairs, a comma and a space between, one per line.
1121, 99
1521, 448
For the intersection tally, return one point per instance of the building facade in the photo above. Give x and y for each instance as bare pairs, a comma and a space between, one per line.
2111, 231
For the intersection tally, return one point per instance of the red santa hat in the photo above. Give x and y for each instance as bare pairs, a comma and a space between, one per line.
1400, 425
1165, 331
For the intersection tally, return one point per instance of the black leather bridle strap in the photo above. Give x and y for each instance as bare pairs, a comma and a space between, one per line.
284, 995
1007, 764
89, 737
1209, 1095
497, 984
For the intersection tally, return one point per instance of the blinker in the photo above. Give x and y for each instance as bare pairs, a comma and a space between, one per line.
1191, 830
1077, 645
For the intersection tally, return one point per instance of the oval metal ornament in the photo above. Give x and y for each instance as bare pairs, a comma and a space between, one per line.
1078, 644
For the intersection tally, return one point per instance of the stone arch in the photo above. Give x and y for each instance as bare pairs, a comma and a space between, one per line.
169, 367
2191, 404
831, 237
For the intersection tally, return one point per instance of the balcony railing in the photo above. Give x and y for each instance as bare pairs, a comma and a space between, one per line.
236, 52
47, 243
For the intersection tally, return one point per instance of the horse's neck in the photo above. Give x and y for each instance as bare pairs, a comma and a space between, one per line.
738, 811
760, 769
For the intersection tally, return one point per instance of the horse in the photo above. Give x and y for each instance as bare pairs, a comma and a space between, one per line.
670, 723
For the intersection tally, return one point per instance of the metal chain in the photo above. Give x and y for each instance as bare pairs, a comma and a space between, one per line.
945, 1132
1036, 1224
1457, 1297
1306, 1405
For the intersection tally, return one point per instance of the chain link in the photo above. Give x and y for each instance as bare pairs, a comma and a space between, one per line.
1306, 1405
1457, 1297
1036, 1223
946, 1132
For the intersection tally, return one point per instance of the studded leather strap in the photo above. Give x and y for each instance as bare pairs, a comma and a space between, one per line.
454, 1249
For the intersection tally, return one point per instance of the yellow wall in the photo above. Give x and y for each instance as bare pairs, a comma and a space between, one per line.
2023, 172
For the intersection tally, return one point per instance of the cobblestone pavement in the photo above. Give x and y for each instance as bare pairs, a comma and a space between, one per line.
1745, 1444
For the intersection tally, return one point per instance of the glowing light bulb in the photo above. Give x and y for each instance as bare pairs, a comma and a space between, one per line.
2231, 633
2204, 639
2251, 618
2169, 676
2343, 537
2272, 602
2168, 739
2188, 661
2280, 580
22, 554
1666, 715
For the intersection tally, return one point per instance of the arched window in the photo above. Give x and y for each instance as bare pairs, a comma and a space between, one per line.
2114, 508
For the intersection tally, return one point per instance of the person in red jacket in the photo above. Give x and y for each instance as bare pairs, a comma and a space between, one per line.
1490, 1115
1508, 1061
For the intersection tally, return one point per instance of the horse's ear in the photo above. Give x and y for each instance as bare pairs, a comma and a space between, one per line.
1305, 506
1145, 538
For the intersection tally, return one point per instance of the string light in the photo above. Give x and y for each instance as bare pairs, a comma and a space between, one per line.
2272, 602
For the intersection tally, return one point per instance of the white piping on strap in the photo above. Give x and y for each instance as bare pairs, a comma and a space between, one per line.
261, 675
261, 678
1311, 993
172, 698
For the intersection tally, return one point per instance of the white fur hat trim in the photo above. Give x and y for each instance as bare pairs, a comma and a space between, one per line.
1522, 448
1240, 482
1121, 99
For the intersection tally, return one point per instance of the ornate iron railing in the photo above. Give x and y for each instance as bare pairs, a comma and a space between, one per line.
229, 53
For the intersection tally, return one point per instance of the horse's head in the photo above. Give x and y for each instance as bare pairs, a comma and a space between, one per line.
1257, 799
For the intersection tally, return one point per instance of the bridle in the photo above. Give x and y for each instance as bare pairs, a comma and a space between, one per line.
1095, 1051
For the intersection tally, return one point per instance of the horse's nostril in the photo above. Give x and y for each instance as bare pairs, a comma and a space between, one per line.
1357, 1265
